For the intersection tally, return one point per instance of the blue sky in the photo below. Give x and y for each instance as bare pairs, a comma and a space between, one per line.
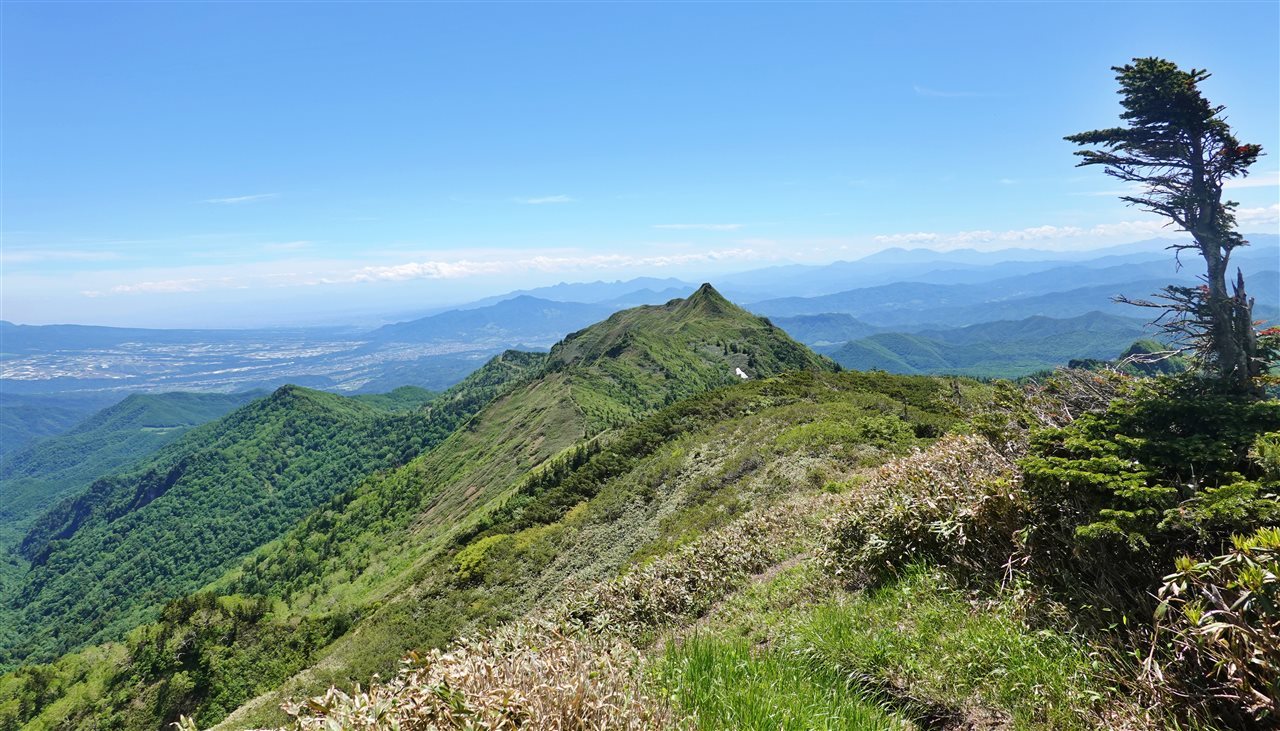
187, 164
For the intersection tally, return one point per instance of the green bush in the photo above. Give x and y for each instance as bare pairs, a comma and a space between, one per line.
957, 503
1222, 622
1167, 469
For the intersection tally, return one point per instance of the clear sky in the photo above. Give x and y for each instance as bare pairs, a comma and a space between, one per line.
239, 163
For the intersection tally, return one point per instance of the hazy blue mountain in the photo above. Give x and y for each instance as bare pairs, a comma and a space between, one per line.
522, 320
1060, 292
996, 349
598, 291
956, 267
646, 297
825, 329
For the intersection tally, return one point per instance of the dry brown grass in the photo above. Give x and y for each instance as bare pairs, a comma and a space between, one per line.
575, 668
684, 584
524, 676
959, 503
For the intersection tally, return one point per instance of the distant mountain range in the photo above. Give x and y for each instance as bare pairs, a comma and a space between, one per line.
959, 267
825, 329
52, 376
1005, 349
1058, 292
594, 292
522, 320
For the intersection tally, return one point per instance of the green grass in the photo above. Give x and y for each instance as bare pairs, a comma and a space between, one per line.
724, 684
925, 640
921, 648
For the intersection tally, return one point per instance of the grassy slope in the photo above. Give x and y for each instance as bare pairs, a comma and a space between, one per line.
654, 487
384, 541
373, 551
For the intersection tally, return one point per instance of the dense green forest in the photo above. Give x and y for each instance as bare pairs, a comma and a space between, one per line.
365, 545
37, 476
107, 559
25, 418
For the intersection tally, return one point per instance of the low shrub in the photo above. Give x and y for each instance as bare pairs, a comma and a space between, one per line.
1220, 622
1170, 468
685, 583
524, 676
958, 503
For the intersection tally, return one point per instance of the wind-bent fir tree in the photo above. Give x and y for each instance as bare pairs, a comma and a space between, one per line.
1179, 151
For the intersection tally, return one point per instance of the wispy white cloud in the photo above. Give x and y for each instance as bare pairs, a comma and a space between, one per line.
1007, 181
948, 94
24, 256
1268, 216
699, 226
242, 198
546, 199
165, 286
1034, 234
461, 268
1269, 179
338, 272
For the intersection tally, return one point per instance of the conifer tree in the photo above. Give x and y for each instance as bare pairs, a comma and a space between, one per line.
1177, 150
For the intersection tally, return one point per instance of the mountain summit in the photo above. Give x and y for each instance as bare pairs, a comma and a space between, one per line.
707, 301
643, 358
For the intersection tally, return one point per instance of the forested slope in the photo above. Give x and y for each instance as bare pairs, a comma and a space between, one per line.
39, 475
106, 560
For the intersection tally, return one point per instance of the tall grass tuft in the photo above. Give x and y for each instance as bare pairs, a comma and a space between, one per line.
941, 655
723, 684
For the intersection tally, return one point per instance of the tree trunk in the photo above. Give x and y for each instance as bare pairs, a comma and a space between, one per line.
1231, 335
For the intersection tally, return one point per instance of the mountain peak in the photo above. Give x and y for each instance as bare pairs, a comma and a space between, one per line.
703, 334
707, 301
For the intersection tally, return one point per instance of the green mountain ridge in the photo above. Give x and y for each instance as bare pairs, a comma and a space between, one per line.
633, 530
34, 478
105, 560
372, 554
25, 418
1001, 349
